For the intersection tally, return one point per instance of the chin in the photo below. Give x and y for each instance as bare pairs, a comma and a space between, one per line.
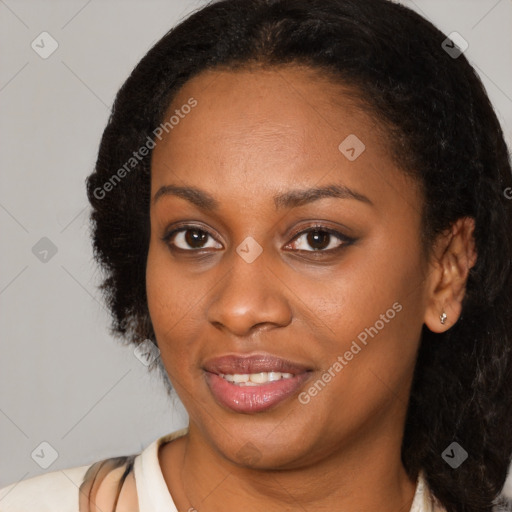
262, 443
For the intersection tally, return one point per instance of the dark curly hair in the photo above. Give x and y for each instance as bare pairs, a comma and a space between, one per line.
444, 132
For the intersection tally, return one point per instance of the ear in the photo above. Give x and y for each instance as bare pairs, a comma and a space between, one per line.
452, 257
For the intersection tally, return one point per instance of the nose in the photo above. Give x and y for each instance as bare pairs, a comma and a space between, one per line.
251, 297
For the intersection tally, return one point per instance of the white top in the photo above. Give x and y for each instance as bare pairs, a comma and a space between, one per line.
58, 491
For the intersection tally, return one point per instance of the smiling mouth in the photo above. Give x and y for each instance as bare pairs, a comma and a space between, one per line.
254, 383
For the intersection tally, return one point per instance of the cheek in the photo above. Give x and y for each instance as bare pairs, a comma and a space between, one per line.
374, 280
173, 305
369, 312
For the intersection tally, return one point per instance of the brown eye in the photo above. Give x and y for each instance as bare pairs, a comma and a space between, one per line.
320, 239
195, 238
190, 239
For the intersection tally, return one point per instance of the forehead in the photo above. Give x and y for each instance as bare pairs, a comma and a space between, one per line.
265, 129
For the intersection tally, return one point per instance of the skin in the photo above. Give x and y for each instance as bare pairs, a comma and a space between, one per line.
256, 133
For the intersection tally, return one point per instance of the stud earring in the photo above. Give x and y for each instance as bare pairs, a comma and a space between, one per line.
443, 317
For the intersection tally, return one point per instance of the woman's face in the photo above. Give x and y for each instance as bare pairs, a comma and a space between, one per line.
296, 256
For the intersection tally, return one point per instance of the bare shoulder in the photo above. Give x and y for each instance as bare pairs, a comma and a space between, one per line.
109, 485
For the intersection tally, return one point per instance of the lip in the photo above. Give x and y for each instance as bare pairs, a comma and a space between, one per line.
254, 363
252, 399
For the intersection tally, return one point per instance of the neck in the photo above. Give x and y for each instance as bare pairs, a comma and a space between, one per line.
366, 474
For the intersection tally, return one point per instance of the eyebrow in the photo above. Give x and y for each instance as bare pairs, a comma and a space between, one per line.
290, 199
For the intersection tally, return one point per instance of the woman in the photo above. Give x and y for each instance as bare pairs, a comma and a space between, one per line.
303, 205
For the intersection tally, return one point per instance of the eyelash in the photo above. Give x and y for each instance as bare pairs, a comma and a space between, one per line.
345, 240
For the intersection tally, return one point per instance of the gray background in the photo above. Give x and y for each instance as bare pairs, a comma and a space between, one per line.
63, 379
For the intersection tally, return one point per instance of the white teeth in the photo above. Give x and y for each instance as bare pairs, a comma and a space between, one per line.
238, 378
254, 379
259, 378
